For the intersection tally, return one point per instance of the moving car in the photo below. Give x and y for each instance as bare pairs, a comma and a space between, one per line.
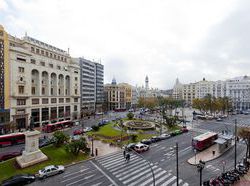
9, 155
50, 171
176, 132
103, 122
46, 142
184, 129
218, 119
140, 147
19, 180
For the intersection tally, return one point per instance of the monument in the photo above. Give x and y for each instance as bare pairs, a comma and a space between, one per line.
32, 154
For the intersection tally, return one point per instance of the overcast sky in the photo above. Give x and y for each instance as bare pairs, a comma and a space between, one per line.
164, 39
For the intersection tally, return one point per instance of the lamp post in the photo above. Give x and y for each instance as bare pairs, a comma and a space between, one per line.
177, 165
200, 167
235, 143
92, 140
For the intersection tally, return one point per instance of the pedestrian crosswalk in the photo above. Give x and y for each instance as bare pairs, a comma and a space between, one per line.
136, 172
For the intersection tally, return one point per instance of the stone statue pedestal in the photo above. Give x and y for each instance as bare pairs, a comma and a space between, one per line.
32, 154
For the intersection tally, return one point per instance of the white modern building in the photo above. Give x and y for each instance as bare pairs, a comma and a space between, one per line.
44, 83
238, 89
92, 88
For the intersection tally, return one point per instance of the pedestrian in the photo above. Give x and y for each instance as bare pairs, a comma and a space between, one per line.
213, 152
96, 151
127, 157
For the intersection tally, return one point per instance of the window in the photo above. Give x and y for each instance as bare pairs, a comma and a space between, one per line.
42, 63
37, 51
33, 61
76, 78
45, 101
58, 67
32, 49
61, 100
67, 100
51, 65
20, 89
75, 108
76, 72
33, 90
59, 91
21, 102
21, 69
21, 59
75, 100
47, 54
35, 101
55, 56
50, 55
42, 52
75, 91
53, 100
43, 90
21, 79
51, 91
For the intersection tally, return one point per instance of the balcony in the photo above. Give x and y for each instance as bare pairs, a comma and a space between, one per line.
17, 95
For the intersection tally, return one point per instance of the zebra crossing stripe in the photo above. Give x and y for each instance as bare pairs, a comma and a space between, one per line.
122, 172
109, 164
108, 157
136, 176
141, 179
112, 170
175, 184
185, 184
132, 173
169, 181
162, 178
113, 160
159, 172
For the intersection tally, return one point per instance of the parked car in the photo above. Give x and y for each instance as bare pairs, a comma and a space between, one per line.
146, 141
155, 139
164, 136
130, 147
219, 119
87, 129
50, 171
140, 147
21, 179
9, 155
103, 122
184, 129
176, 132
78, 131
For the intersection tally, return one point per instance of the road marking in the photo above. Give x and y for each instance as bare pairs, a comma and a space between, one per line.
87, 177
72, 173
185, 149
97, 184
136, 176
162, 159
112, 181
162, 178
151, 179
77, 176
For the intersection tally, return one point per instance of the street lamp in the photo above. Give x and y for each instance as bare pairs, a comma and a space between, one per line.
92, 151
177, 165
235, 144
200, 167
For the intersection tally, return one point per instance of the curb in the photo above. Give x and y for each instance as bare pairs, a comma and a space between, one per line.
211, 159
78, 162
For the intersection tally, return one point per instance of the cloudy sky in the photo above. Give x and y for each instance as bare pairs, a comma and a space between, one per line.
164, 39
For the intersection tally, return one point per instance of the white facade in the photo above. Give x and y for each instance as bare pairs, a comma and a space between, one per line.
44, 83
238, 89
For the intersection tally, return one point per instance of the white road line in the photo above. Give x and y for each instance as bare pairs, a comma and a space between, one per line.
162, 178
72, 173
115, 168
97, 184
142, 178
77, 176
88, 182
110, 164
85, 178
175, 184
185, 149
112, 181
169, 181
151, 179
122, 172
136, 176
115, 165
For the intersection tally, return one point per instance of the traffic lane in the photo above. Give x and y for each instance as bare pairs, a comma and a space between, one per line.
213, 125
79, 174
164, 151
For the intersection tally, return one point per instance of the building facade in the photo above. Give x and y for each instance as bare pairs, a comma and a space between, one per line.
118, 96
4, 80
238, 90
92, 88
45, 83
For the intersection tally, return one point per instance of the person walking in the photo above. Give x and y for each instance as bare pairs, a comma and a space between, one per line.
124, 153
127, 157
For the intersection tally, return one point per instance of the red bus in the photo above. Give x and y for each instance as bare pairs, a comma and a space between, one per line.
57, 126
12, 139
204, 140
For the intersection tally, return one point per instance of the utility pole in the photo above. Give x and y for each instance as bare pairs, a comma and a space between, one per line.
177, 165
200, 167
235, 143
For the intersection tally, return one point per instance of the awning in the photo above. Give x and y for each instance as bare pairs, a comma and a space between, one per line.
220, 141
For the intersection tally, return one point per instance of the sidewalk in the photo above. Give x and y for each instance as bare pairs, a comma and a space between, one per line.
244, 181
207, 155
103, 148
